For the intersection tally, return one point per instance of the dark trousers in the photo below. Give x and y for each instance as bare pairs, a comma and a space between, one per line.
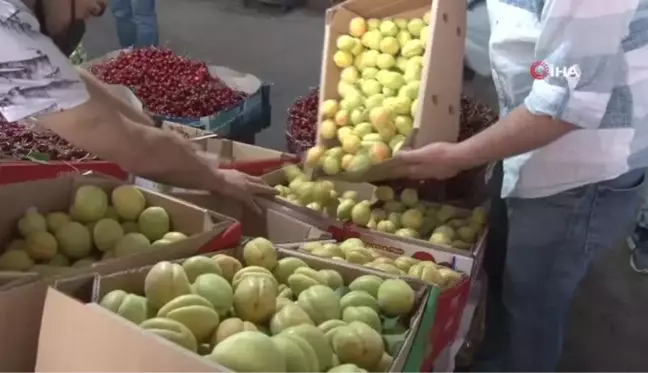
535, 271
494, 261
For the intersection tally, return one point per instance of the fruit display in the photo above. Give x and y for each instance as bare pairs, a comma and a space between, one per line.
97, 226
402, 215
406, 216
169, 84
23, 140
354, 251
380, 65
270, 313
317, 195
301, 129
302, 120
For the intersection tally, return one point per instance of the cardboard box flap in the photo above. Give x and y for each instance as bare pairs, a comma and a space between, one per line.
21, 309
282, 228
64, 346
383, 8
233, 151
80, 287
274, 224
130, 281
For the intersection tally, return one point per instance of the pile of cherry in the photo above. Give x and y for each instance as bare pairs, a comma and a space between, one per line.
168, 84
18, 141
301, 131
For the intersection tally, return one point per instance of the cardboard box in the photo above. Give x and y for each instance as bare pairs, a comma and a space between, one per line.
465, 261
81, 337
250, 159
438, 110
201, 227
273, 224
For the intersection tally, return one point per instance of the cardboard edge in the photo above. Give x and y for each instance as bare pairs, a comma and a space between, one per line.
67, 322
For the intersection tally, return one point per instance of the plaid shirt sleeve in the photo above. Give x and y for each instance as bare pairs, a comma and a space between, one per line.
587, 34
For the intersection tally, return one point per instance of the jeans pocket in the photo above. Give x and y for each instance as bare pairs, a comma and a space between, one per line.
614, 210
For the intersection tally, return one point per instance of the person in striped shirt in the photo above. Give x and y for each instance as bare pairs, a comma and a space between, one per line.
573, 134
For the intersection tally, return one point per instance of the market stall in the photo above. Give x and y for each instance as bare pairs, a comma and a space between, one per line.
344, 272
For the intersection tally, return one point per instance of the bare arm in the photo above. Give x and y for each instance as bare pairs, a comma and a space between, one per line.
37, 80
142, 150
571, 36
99, 88
517, 133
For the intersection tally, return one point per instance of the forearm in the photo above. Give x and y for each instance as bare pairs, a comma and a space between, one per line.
142, 150
171, 160
517, 133
101, 92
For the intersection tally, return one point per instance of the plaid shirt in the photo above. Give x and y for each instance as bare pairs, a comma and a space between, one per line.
608, 40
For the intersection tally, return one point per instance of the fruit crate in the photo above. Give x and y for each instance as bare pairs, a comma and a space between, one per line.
434, 72
405, 343
250, 116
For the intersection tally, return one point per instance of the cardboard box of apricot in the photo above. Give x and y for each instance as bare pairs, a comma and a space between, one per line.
255, 308
35, 252
391, 79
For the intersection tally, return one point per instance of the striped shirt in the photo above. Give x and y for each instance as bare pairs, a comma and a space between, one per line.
35, 77
608, 41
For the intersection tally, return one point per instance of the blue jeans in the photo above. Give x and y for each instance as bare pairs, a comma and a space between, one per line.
551, 242
136, 22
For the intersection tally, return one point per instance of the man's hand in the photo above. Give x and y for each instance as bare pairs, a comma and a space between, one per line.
433, 161
518, 132
243, 188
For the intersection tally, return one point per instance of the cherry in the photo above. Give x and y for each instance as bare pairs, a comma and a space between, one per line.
168, 84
